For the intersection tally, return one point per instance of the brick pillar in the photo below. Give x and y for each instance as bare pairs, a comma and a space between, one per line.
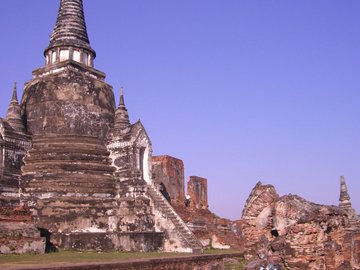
197, 189
170, 171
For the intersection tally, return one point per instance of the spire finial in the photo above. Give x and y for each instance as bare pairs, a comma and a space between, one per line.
122, 101
121, 115
14, 96
13, 114
345, 200
344, 194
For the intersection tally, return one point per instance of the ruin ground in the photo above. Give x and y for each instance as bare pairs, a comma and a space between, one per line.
71, 258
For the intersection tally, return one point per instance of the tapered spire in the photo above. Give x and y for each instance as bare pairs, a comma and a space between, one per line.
70, 25
344, 194
13, 115
345, 201
122, 101
121, 115
14, 98
69, 39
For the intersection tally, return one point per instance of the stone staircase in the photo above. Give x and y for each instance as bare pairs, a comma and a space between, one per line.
188, 238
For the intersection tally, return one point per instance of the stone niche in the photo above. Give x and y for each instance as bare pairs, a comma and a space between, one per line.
197, 189
170, 171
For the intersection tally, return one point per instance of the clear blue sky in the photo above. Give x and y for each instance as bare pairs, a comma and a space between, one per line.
241, 91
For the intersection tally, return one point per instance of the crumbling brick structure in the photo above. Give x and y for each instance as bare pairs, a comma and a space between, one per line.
210, 229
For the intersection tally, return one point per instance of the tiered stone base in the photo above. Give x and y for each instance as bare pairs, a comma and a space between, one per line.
68, 185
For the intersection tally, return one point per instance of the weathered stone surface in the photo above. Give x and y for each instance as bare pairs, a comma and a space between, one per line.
68, 185
127, 241
74, 103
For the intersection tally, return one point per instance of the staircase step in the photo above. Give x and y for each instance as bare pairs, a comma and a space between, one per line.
180, 226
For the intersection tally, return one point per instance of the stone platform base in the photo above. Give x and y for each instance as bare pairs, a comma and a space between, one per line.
132, 241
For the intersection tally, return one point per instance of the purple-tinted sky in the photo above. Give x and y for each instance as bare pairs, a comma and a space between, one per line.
241, 91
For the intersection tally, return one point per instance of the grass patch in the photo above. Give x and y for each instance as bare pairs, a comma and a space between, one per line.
65, 258
220, 251
70, 258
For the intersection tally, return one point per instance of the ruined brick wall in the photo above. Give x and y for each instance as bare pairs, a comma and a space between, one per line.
197, 189
298, 233
352, 247
18, 235
170, 171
